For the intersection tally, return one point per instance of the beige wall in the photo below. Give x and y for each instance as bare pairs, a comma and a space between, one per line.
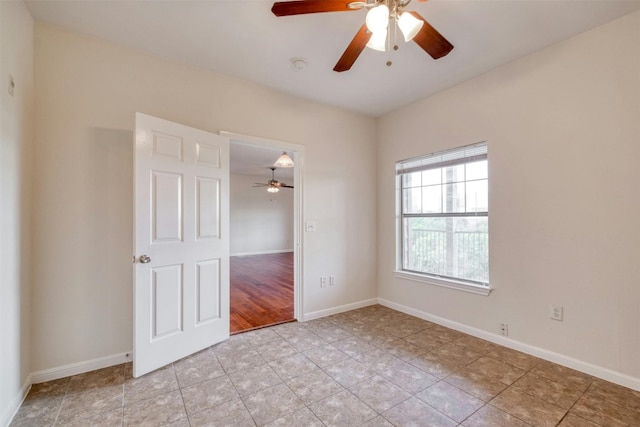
563, 133
16, 162
260, 222
87, 94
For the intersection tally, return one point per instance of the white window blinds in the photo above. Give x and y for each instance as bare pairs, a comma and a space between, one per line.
456, 156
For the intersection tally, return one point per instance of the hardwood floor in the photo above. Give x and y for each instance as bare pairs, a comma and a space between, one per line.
261, 290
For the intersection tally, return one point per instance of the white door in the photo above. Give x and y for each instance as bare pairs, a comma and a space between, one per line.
181, 279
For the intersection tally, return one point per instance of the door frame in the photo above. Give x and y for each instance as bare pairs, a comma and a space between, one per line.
298, 160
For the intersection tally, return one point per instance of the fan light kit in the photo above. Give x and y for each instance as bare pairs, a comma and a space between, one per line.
374, 33
284, 161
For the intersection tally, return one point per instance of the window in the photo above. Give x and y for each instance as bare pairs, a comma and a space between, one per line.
443, 221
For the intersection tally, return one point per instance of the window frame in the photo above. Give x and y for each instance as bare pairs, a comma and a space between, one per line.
475, 287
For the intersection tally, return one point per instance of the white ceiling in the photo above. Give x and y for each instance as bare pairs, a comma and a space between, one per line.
254, 160
243, 38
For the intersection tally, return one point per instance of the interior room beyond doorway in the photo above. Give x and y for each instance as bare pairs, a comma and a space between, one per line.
262, 279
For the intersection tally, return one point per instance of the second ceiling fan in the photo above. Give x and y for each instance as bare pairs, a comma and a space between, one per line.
273, 186
373, 33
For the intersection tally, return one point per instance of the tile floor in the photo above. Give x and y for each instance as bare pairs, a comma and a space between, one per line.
373, 366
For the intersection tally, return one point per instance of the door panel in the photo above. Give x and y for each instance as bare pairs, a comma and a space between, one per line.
166, 207
208, 296
181, 299
208, 155
166, 297
167, 145
208, 208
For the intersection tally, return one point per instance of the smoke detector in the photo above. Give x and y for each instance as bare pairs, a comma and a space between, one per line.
298, 64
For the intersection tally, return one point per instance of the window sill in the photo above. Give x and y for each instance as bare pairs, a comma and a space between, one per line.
445, 283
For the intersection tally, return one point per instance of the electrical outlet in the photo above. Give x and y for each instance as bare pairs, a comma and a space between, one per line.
332, 280
504, 329
555, 312
323, 282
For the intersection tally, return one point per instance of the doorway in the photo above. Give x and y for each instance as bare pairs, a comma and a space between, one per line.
264, 236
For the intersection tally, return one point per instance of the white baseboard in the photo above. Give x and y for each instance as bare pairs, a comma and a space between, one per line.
579, 365
276, 251
13, 408
335, 310
80, 367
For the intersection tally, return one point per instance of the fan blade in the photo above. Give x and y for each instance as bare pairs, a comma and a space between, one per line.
429, 39
300, 7
353, 50
286, 186
259, 184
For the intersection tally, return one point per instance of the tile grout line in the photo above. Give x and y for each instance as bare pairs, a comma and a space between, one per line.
574, 404
488, 403
530, 371
241, 398
122, 405
344, 388
287, 385
184, 404
66, 392
124, 381
485, 403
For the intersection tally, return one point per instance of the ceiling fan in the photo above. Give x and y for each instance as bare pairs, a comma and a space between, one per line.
272, 185
374, 32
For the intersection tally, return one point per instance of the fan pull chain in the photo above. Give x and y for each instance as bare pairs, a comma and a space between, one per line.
395, 31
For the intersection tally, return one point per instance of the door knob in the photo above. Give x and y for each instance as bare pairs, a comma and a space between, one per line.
145, 259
